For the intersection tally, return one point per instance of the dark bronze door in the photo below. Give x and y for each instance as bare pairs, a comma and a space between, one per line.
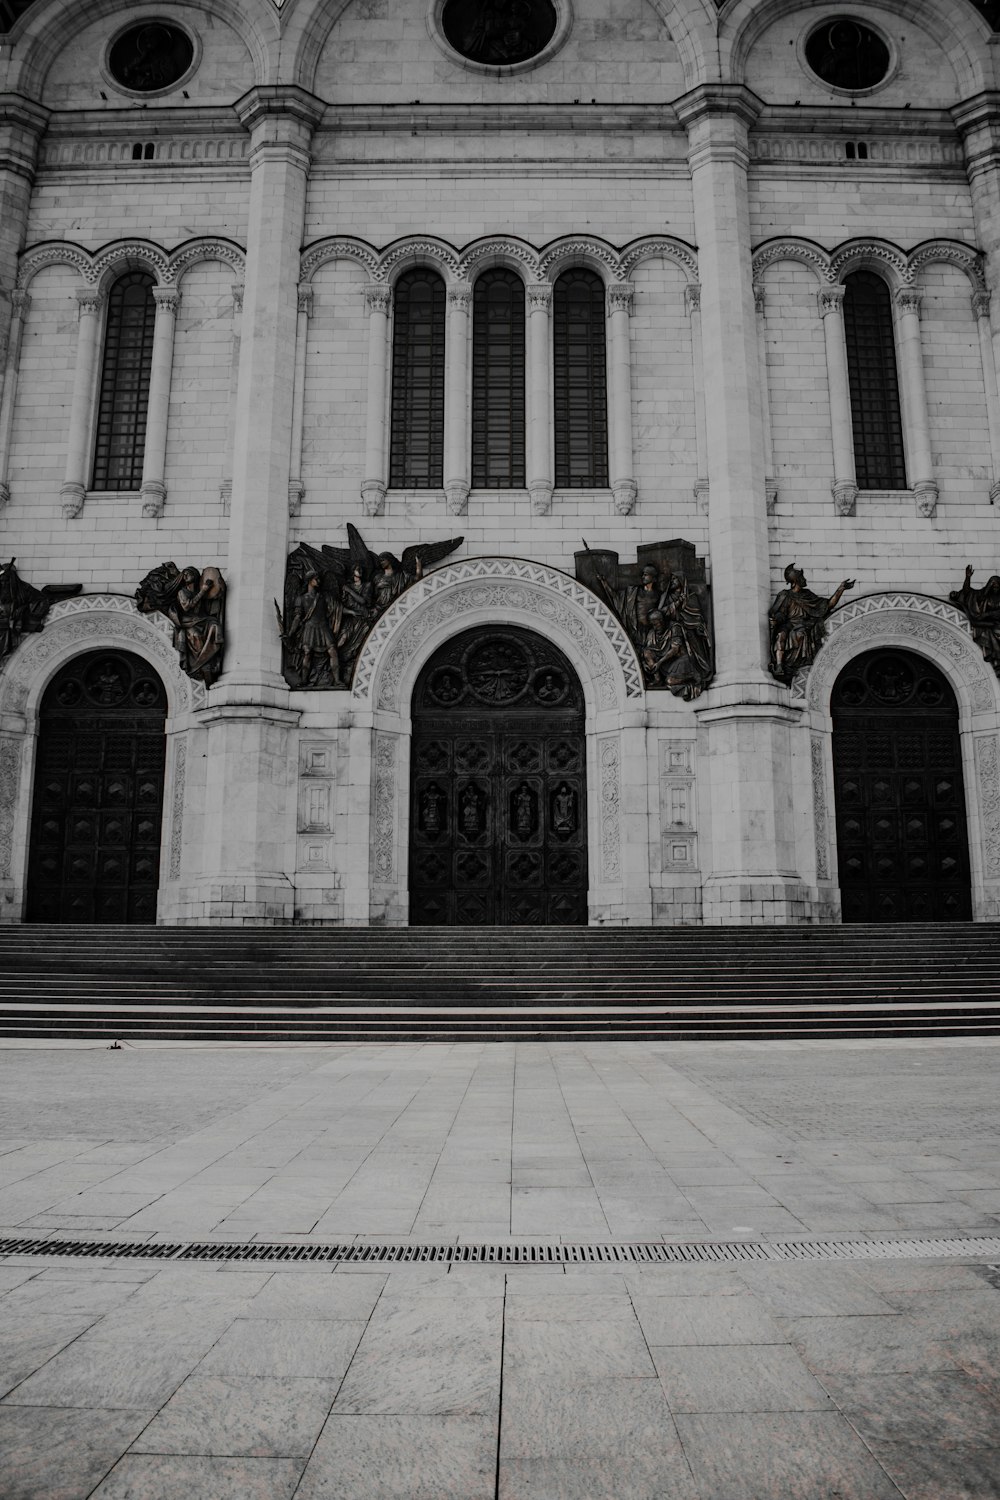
98, 795
901, 834
498, 828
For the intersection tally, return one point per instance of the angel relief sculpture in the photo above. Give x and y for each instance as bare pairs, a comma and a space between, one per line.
23, 608
334, 595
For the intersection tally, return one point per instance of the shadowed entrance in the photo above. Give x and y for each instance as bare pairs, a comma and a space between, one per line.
901, 833
498, 791
98, 798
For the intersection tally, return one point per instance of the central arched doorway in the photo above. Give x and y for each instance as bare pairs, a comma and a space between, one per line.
902, 845
98, 792
498, 826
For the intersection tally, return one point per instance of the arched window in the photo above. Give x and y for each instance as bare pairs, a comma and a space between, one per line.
128, 358
416, 450
498, 382
580, 386
871, 364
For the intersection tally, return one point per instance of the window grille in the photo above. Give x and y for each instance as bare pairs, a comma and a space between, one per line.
871, 363
416, 448
580, 370
128, 357
498, 381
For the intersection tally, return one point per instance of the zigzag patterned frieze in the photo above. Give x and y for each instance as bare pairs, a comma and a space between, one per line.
338, 249
504, 585
831, 266
168, 267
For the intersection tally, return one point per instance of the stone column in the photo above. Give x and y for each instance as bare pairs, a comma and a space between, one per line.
538, 400
154, 453
770, 483
378, 300
915, 414
296, 488
458, 352
845, 482
620, 457
978, 121
90, 306
226, 483
249, 832
20, 301
22, 124
745, 719
981, 307
692, 301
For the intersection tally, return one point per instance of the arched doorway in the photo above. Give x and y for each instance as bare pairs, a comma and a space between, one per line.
902, 845
498, 827
98, 792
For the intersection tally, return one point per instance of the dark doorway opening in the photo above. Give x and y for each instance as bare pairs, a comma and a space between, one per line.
498, 805
902, 844
98, 792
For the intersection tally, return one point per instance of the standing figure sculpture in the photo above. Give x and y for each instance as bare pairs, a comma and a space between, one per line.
333, 596
982, 606
796, 621
23, 608
194, 601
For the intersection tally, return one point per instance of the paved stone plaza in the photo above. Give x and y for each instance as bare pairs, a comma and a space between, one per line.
850, 1378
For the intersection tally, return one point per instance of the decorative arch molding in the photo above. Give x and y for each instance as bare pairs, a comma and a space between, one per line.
48, 28
958, 31
915, 622
100, 267
87, 623
900, 268
501, 590
534, 266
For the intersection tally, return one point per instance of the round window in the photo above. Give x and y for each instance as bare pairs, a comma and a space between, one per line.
150, 56
499, 33
847, 54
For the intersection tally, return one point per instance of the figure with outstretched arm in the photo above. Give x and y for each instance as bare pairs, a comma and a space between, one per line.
982, 606
797, 623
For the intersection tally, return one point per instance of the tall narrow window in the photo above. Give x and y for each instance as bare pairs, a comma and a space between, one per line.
871, 363
128, 358
580, 387
416, 450
498, 382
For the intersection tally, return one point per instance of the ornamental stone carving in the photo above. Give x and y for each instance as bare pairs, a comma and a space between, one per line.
908, 620
609, 756
177, 810
820, 821
92, 620
384, 810
988, 778
502, 589
10, 785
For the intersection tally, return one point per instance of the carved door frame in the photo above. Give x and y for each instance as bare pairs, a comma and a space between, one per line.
74, 627
926, 627
498, 592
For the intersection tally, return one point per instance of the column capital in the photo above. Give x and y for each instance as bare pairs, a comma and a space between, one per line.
692, 297
460, 295
539, 297
20, 301
908, 299
89, 300
238, 289
981, 303
378, 299
22, 125
620, 297
713, 101
304, 293
282, 103
831, 300
981, 111
167, 298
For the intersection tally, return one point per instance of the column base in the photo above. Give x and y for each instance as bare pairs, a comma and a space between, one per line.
541, 499
624, 493
258, 899
373, 497
72, 496
296, 495
4, 493
926, 494
845, 498
153, 496
758, 901
456, 495
226, 496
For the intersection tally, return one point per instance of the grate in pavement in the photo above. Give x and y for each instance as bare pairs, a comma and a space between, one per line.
655, 1252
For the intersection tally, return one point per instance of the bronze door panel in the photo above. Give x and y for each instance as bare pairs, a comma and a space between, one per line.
498, 794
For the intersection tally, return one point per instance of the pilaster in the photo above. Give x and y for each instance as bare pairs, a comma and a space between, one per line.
22, 125
744, 719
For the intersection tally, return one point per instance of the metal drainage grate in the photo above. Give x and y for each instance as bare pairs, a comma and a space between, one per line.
653, 1252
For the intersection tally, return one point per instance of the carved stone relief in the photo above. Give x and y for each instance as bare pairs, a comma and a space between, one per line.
609, 760
820, 819
384, 809
194, 601
177, 810
10, 786
562, 609
23, 608
678, 841
988, 777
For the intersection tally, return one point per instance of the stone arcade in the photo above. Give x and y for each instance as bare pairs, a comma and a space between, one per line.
709, 286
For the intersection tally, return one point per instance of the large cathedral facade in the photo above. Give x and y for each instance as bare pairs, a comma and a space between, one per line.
499, 461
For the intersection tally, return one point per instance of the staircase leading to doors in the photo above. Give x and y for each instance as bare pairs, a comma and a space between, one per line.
498, 983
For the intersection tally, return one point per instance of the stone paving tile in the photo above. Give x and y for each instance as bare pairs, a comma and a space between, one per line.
737, 1378
864, 1345
427, 1356
49, 1453
925, 1471
285, 1347
402, 1458
541, 1355
29, 1341
706, 1320
142, 1476
813, 1291
228, 1415
938, 1407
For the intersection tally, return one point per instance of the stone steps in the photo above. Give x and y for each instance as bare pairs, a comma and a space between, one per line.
483, 984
